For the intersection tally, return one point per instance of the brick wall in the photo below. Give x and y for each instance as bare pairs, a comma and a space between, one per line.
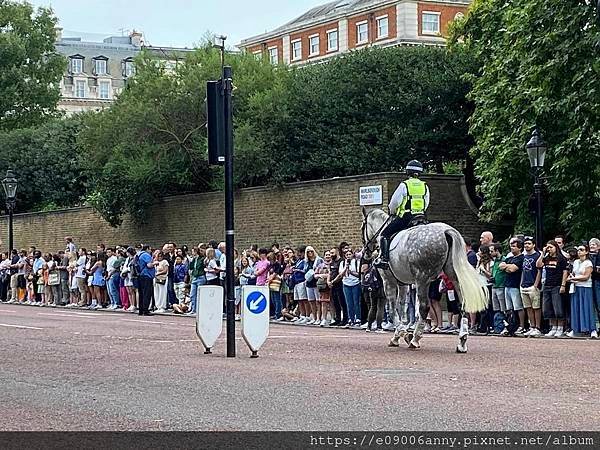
320, 213
447, 14
371, 20
264, 48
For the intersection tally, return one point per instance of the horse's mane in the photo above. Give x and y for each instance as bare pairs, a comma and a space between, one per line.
377, 212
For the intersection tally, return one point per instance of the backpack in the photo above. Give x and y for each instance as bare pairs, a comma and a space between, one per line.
371, 280
134, 267
499, 319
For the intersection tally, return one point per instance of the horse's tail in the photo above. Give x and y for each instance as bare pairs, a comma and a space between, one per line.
474, 295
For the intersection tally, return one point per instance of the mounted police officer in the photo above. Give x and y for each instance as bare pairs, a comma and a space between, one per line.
409, 202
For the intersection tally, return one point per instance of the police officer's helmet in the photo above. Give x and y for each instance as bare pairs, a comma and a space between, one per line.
414, 167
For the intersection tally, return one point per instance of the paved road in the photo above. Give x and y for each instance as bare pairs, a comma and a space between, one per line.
80, 370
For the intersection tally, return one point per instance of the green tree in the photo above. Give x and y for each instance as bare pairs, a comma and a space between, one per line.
152, 141
370, 110
45, 160
538, 66
30, 68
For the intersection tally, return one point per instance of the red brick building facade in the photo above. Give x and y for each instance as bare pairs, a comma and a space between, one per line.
344, 25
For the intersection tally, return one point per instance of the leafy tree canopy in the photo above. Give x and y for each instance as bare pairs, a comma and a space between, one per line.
45, 160
30, 68
538, 66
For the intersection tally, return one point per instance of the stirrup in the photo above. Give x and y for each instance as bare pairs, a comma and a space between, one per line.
381, 264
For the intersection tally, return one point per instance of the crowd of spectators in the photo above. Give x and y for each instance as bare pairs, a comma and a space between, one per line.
553, 292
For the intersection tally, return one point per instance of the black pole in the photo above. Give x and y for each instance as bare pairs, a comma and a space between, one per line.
539, 226
229, 221
10, 228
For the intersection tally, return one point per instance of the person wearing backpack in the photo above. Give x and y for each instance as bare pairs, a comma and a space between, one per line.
371, 286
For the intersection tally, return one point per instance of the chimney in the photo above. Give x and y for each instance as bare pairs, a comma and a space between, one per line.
58, 33
136, 38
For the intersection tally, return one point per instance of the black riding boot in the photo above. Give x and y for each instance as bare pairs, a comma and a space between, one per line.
384, 253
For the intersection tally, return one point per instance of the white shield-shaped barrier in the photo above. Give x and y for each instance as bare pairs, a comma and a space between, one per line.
255, 316
209, 315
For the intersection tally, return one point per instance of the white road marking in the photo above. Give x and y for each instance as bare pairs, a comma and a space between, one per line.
19, 326
148, 321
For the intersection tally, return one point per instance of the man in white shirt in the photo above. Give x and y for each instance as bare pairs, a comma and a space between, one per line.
82, 277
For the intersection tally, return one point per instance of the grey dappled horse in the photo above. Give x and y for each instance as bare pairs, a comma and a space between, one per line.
417, 256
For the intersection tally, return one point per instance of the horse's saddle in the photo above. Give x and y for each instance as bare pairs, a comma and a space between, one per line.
417, 220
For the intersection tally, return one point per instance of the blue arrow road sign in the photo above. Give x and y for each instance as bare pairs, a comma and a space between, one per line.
256, 302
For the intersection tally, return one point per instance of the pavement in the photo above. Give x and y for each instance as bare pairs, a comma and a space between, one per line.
74, 370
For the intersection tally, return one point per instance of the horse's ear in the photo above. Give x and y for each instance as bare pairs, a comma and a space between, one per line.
364, 212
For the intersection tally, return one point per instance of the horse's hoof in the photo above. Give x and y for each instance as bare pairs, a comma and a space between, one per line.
393, 344
461, 349
413, 346
408, 337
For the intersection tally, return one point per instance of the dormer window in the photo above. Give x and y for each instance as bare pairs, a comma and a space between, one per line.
76, 64
100, 65
127, 66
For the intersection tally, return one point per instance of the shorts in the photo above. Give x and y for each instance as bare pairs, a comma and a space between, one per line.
300, 292
498, 299
325, 296
453, 305
531, 297
513, 299
312, 294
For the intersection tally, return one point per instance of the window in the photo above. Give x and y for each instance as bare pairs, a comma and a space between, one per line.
128, 69
100, 66
431, 23
76, 65
274, 55
80, 89
105, 90
313, 45
258, 55
362, 32
296, 50
382, 27
332, 40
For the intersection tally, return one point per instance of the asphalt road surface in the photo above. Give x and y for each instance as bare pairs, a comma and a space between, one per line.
91, 370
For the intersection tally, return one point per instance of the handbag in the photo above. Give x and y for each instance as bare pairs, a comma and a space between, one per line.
322, 284
160, 281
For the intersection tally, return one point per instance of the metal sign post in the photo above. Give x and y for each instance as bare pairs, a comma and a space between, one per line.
220, 151
255, 317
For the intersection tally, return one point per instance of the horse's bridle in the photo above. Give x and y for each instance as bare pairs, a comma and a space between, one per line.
367, 242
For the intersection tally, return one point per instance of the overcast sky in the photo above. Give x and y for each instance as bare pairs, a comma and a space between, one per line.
180, 23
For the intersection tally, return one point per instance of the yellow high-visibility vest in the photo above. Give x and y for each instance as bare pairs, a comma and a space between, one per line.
415, 200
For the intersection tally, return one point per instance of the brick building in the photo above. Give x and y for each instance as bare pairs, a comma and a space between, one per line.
344, 25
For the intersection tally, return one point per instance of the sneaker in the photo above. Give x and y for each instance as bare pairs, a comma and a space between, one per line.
571, 334
237, 317
504, 332
535, 333
528, 332
323, 323
281, 319
520, 331
559, 333
594, 334
334, 324
389, 326
190, 313
295, 319
160, 310
379, 330
435, 330
309, 322
551, 333
364, 326
347, 325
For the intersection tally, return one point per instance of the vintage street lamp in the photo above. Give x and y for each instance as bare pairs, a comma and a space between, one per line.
9, 183
536, 150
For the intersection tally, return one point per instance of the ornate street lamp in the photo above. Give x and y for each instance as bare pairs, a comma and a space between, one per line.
536, 150
10, 183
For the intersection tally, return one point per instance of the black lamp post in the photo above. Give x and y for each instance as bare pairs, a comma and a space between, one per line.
9, 183
536, 150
